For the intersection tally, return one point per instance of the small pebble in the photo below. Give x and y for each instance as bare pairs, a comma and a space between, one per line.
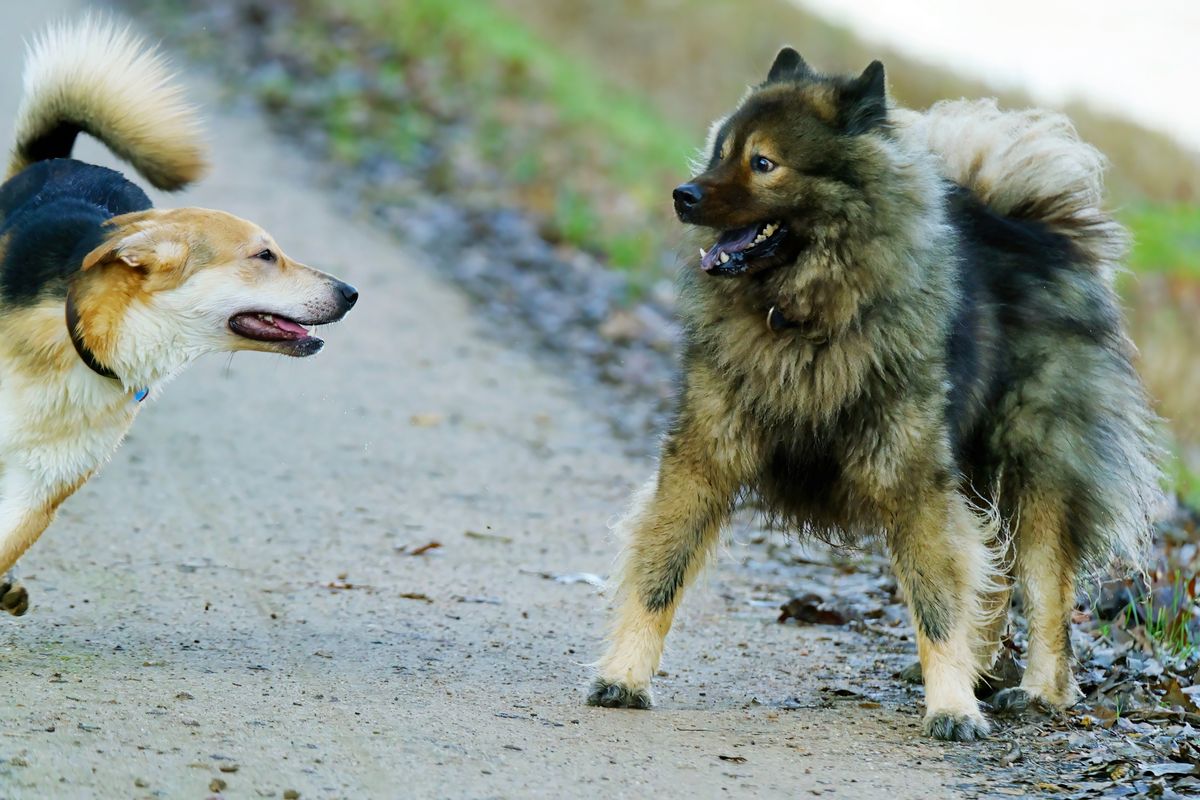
290, 794
216, 785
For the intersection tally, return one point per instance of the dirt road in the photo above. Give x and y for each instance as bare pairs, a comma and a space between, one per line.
234, 602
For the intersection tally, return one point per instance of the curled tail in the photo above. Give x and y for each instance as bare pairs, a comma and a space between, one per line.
1028, 165
95, 77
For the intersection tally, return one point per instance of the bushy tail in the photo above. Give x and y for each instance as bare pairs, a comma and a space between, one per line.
95, 77
1026, 165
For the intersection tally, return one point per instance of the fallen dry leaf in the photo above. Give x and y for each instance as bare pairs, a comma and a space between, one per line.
420, 549
813, 609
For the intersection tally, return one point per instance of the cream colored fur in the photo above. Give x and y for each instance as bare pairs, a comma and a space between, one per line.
110, 83
1031, 159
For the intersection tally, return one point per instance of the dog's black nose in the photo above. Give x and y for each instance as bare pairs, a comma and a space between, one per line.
687, 197
349, 293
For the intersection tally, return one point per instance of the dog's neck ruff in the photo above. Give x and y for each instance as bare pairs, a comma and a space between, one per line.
85, 353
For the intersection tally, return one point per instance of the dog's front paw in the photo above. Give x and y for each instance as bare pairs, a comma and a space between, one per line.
950, 727
608, 694
13, 598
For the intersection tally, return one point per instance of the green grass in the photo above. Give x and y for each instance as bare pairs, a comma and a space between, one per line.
1169, 627
483, 37
1185, 481
545, 120
1166, 238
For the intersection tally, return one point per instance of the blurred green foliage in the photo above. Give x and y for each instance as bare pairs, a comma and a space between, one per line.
1166, 238
575, 142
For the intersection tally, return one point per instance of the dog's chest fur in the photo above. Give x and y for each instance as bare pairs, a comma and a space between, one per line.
839, 425
60, 426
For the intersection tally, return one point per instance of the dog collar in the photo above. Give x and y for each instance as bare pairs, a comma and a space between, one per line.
778, 323
85, 353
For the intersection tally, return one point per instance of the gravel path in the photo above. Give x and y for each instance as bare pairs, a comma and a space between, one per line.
235, 603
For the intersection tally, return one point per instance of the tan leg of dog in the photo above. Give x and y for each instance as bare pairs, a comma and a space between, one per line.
1046, 570
671, 530
25, 512
16, 540
941, 558
991, 633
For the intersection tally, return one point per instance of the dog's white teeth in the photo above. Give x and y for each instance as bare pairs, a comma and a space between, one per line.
268, 318
770, 229
724, 257
703, 253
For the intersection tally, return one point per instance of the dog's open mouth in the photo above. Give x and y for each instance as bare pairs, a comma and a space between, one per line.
739, 250
295, 337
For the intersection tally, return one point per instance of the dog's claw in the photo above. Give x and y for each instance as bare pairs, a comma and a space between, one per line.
614, 695
13, 598
956, 727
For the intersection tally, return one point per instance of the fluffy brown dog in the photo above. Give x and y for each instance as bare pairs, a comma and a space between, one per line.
900, 325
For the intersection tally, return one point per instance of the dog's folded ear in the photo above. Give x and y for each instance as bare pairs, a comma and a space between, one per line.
864, 100
133, 250
788, 66
144, 244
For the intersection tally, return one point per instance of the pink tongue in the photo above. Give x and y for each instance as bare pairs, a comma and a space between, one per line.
732, 242
291, 327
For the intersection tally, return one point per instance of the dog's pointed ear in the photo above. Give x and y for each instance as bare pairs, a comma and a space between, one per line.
135, 249
864, 100
788, 66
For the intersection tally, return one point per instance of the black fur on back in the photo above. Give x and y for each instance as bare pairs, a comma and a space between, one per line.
1025, 294
51, 215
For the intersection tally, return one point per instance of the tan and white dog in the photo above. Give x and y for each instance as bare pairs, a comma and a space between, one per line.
103, 298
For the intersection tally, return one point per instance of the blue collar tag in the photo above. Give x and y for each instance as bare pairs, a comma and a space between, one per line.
140, 394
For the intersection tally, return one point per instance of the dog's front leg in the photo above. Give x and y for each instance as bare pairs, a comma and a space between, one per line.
940, 554
26, 510
670, 532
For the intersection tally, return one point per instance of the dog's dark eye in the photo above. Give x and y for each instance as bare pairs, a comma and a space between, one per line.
761, 164
265, 255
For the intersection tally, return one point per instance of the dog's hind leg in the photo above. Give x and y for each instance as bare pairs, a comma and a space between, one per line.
1046, 569
671, 530
996, 600
941, 557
